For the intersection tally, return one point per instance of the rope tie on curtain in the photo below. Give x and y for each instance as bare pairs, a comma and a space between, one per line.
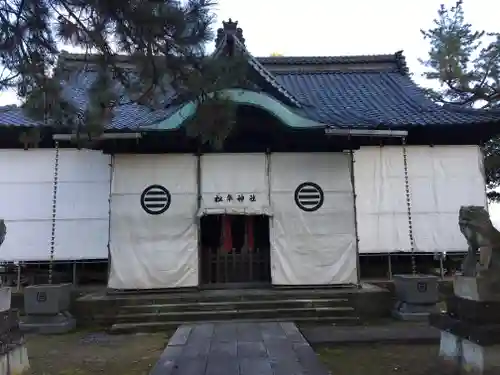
54, 211
408, 207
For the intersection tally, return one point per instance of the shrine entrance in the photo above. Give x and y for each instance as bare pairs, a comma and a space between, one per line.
235, 250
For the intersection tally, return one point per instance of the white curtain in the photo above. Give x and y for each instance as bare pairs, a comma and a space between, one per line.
382, 212
154, 251
26, 194
441, 179
318, 247
234, 184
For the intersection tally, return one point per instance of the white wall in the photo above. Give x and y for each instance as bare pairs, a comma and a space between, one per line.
26, 192
153, 251
442, 178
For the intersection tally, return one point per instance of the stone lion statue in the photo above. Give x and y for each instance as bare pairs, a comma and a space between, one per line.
476, 226
3, 231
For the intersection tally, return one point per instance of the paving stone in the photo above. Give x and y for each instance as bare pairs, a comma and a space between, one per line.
190, 366
201, 331
180, 336
255, 366
289, 367
225, 333
197, 349
249, 334
251, 350
239, 349
165, 366
272, 330
224, 349
280, 350
292, 332
223, 366
172, 352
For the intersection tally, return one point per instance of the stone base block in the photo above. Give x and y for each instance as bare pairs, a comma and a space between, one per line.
475, 312
416, 289
15, 361
47, 299
475, 288
48, 324
413, 312
482, 334
467, 356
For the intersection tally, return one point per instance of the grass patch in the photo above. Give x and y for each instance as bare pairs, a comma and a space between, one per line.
86, 353
380, 359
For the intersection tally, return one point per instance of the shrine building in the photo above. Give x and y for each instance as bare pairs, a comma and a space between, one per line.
332, 159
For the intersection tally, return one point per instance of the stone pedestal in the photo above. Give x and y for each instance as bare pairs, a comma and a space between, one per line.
46, 308
470, 329
475, 289
417, 296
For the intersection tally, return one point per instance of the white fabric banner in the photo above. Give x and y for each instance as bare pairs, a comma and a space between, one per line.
312, 247
441, 179
26, 194
154, 251
234, 184
382, 213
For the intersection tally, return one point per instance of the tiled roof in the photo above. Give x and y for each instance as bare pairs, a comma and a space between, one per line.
354, 91
369, 99
128, 115
261, 75
308, 60
14, 116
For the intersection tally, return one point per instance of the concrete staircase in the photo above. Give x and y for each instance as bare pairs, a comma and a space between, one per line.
156, 312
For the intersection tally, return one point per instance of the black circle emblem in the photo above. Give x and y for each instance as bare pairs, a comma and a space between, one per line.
309, 196
155, 199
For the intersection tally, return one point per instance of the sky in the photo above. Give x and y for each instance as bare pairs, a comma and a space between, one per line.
335, 27
339, 27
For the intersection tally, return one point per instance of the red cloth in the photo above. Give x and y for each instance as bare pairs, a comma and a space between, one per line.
227, 235
250, 235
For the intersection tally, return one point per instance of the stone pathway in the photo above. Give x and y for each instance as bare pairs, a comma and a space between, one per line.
238, 349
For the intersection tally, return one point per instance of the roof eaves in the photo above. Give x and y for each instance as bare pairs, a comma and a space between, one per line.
462, 109
397, 59
266, 74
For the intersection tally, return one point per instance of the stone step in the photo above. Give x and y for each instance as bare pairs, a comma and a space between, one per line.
225, 295
194, 316
235, 305
126, 328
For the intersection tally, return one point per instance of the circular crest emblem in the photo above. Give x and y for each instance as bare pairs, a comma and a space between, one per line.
155, 199
422, 287
41, 297
309, 196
